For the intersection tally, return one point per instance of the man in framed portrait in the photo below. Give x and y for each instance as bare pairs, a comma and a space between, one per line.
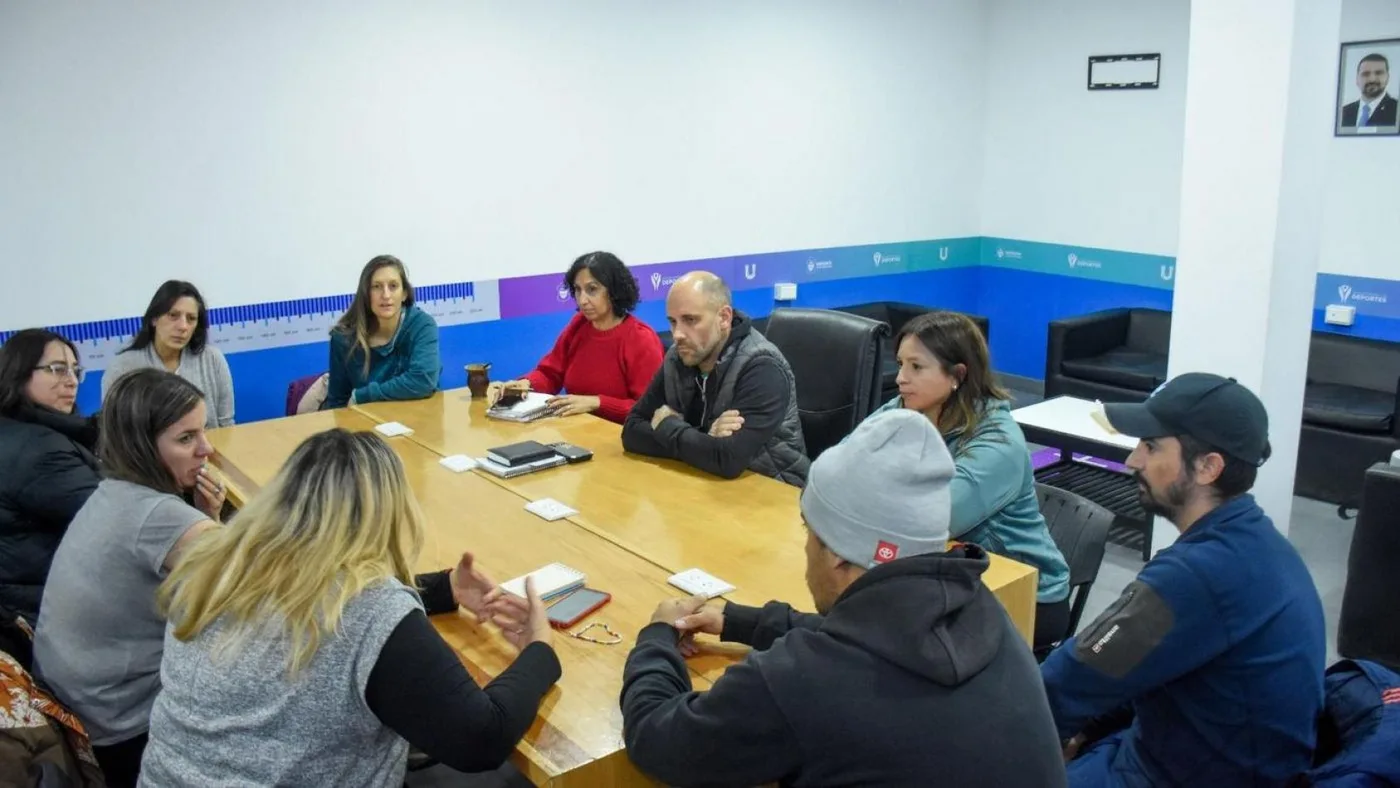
1375, 108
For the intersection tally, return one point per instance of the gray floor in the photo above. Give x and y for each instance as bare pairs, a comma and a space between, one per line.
1322, 538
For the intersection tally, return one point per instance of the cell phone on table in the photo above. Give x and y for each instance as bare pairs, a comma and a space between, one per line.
576, 606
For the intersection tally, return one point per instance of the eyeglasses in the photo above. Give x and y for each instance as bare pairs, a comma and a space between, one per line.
61, 370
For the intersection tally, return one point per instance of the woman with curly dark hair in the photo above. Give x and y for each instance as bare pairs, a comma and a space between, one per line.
605, 357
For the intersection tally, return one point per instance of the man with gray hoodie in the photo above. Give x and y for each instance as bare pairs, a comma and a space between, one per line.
911, 673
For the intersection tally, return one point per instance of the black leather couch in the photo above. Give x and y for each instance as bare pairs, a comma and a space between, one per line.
1368, 627
895, 314
1119, 355
1351, 405
1350, 408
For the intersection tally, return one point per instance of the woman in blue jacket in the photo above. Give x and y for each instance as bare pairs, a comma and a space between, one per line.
945, 373
383, 347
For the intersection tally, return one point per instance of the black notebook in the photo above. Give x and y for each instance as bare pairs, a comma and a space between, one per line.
519, 453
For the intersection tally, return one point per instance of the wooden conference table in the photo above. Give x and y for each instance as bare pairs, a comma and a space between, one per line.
640, 520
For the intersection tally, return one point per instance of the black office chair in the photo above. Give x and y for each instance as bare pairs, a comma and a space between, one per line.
835, 359
1080, 529
1368, 628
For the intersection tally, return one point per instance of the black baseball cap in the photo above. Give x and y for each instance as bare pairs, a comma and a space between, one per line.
1215, 410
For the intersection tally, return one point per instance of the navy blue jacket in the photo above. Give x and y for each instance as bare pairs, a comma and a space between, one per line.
1218, 645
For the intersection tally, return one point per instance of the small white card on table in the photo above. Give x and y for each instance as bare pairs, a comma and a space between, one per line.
392, 428
458, 463
549, 509
696, 581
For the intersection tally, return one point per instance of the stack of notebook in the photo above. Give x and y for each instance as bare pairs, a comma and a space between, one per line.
530, 407
519, 458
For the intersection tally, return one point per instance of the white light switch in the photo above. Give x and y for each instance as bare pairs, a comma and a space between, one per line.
785, 291
1338, 315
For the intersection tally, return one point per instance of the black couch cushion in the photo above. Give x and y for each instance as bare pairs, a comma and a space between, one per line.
1348, 408
1133, 369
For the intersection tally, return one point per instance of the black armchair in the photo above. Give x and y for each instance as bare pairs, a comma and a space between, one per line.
1350, 408
835, 359
895, 314
1368, 628
1119, 355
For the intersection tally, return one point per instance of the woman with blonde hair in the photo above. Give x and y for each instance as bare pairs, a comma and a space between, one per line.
298, 651
384, 347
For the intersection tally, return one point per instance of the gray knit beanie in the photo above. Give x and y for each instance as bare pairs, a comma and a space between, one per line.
882, 493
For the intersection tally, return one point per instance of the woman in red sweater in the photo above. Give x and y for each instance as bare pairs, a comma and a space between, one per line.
605, 358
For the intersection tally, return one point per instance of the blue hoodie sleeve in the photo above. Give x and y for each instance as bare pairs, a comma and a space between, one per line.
339, 385
1165, 624
987, 477
419, 342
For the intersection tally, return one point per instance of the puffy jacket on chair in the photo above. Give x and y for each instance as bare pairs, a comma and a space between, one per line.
1363, 709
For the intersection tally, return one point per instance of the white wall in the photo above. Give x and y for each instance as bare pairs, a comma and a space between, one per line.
1065, 164
265, 150
1363, 173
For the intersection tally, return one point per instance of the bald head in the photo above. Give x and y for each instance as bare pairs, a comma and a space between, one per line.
700, 311
702, 285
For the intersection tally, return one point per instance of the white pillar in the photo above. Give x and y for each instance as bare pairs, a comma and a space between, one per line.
1260, 89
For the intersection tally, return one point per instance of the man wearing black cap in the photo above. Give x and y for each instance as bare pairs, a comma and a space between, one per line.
1213, 656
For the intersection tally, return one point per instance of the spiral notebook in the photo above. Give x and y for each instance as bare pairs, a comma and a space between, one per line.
551, 581
533, 406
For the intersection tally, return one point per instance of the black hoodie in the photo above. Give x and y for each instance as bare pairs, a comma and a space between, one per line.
916, 677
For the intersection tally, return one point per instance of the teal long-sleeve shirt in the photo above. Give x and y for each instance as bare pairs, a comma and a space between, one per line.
408, 367
993, 497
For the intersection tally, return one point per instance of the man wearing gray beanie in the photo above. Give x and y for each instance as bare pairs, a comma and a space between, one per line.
910, 673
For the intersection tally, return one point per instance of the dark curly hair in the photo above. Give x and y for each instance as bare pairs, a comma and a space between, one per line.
612, 275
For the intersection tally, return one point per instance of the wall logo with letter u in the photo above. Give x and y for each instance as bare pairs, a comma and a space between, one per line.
1167, 272
750, 270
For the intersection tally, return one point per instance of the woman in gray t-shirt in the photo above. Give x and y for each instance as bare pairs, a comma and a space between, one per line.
174, 337
99, 640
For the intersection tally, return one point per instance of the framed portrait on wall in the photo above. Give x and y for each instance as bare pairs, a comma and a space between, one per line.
1366, 89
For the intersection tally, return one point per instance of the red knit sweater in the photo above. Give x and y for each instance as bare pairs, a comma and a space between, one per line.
615, 365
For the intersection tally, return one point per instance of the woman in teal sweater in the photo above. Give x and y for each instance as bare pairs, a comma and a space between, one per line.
383, 347
945, 373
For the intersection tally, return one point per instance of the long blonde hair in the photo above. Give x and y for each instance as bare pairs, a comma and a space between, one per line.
359, 321
338, 517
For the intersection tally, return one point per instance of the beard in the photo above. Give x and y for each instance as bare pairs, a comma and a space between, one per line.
1169, 502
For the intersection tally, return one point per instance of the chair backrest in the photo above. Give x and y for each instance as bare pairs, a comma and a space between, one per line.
1368, 627
298, 389
1353, 361
1149, 330
1080, 529
835, 360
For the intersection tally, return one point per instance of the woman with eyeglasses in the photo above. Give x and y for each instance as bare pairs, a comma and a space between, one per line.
174, 336
99, 641
606, 357
47, 463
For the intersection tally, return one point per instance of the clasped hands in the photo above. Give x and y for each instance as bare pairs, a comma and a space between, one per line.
521, 621
691, 616
562, 405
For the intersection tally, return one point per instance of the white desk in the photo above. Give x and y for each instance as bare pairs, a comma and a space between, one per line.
1066, 424
1070, 416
